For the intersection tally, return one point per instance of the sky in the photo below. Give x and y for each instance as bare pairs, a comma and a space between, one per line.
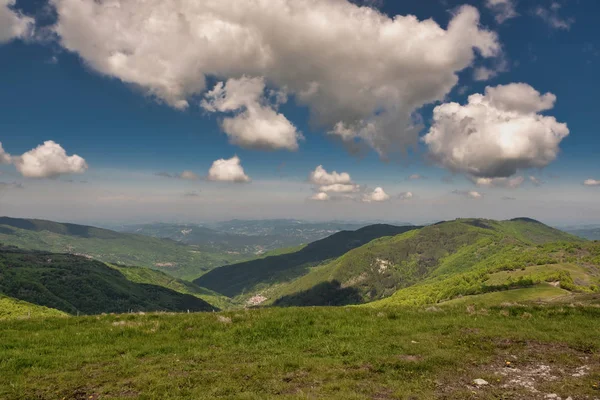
194, 111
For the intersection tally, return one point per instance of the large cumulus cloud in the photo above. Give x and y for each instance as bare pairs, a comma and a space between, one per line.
362, 74
497, 133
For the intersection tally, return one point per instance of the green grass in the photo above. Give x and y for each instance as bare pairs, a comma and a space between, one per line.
320, 353
179, 260
540, 293
18, 309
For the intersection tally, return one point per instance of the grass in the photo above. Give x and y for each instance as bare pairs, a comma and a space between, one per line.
300, 353
17, 309
540, 293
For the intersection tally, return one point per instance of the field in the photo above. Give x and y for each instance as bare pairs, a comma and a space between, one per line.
301, 353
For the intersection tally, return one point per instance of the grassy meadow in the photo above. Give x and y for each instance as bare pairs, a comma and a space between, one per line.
307, 353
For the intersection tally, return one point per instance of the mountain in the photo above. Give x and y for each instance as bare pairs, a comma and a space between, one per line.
236, 279
242, 236
440, 262
75, 284
174, 258
591, 233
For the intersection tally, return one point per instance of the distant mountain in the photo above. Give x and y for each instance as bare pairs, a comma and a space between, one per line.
242, 236
586, 233
75, 284
172, 257
461, 252
250, 276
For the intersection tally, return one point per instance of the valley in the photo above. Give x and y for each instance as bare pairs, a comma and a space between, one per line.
383, 311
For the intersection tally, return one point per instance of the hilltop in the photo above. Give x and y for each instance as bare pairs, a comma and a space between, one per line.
247, 277
172, 257
438, 258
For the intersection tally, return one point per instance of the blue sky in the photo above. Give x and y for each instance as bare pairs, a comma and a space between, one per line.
53, 87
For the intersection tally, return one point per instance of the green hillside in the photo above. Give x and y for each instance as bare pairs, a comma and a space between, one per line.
158, 278
17, 309
248, 277
75, 284
179, 260
437, 255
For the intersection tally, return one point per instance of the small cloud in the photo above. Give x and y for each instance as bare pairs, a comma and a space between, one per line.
508, 198
503, 9
185, 175
49, 160
448, 179
536, 181
378, 195
415, 177
470, 194
189, 176
405, 196
486, 73
591, 182
552, 18
509, 183
321, 196
228, 171
340, 188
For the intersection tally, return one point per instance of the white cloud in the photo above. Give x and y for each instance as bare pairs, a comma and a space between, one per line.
470, 194
415, 177
13, 25
510, 183
378, 195
49, 160
170, 47
256, 122
319, 197
536, 181
496, 134
228, 171
406, 196
320, 176
485, 73
189, 175
5, 158
333, 182
340, 188
591, 182
551, 17
503, 9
